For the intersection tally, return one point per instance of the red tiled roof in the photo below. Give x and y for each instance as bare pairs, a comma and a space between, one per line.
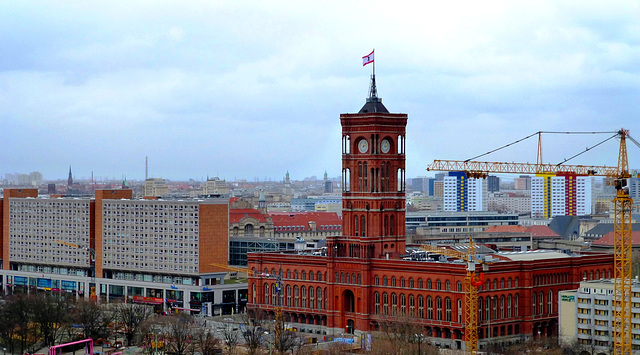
233, 199
506, 229
607, 239
237, 214
542, 232
292, 221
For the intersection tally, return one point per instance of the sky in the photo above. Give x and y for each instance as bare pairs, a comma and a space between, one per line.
253, 89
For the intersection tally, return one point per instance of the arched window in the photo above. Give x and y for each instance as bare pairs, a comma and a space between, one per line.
342, 277
509, 306
355, 223
295, 273
412, 306
324, 297
266, 293
403, 304
502, 306
376, 280
515, 305
393, 281
438, 285
394, 304
304, 275
550, 302
447, 304
363, 226
348, 278
319, 296
420, 284
319, 276
289, 295
248, 230
311, 275
459, 286
438, 308
420, 306
429, 284
402, 282
487, 308
411, 282
509, 283
448, 285
516, 282
296, 296
384, 281
385, 304
376, 297
254, 293
495, 307
501, 283
391, 224
480, 313
541, 302
429, 307
533, 303
303, 290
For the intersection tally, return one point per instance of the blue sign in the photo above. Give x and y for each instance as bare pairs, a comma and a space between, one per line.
68, 285
20, 280
44, 283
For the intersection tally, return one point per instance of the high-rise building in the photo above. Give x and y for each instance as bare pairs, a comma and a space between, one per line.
493, 183
523, 182
161, 252
567, 195
464, 194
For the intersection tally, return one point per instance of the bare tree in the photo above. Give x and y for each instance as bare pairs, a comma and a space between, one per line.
253, 331
231, 339
50, 313
178, 333
130, 316
205, 342
93, 317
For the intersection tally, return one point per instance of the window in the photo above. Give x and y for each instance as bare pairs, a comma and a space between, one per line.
438, 308
412, 306
376, 298
420, 306
394, 304
447, 303
385, 304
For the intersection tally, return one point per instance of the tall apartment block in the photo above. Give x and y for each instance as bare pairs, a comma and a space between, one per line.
464, 194
567, 195
157, 251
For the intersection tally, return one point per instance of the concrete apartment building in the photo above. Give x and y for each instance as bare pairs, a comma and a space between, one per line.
464, 194
568, 195
114, 247
586, 314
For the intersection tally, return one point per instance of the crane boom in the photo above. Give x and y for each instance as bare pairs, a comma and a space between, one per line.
482, 169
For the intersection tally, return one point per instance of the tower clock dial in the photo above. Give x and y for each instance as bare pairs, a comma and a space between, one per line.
385, 146
363, 146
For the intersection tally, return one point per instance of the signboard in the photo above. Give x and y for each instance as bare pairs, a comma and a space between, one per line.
568, 298
44, 283
68, 285
20, 281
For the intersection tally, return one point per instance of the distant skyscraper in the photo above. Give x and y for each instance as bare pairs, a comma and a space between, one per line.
493, 183
464, 194
522, 183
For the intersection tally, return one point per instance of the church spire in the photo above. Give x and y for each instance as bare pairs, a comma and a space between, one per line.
70, 178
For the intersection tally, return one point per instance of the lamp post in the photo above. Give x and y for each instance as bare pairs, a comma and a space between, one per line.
419, 339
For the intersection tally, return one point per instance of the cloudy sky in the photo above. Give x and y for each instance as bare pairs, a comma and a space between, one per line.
252, 89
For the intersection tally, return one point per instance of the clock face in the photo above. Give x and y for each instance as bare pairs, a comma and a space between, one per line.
385, 146
363, 146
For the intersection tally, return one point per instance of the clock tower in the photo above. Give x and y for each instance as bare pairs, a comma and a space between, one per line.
373, 182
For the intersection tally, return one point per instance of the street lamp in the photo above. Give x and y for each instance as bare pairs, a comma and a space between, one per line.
419, 339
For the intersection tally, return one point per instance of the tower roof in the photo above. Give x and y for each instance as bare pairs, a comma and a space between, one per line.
374, 103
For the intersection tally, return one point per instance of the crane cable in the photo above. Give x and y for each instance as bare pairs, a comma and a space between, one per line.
536, 133
586, 150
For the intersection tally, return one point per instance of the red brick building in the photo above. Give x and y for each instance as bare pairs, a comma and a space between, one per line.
363, 280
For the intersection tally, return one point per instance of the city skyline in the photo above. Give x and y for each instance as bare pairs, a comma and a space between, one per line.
250, 90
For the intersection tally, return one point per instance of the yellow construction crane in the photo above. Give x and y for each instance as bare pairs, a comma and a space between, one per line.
622, 230
471, 284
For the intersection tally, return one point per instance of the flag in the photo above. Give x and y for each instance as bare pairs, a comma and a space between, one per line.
367, 59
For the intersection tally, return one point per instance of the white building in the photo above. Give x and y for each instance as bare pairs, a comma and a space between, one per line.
464, 194
560, 196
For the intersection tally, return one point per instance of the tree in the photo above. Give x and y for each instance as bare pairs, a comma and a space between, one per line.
230, 338
178, 332
205, 342
93, 318
253, 332
130, 316
51, 314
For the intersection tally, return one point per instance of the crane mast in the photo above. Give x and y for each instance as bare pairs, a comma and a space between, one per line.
622, 255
